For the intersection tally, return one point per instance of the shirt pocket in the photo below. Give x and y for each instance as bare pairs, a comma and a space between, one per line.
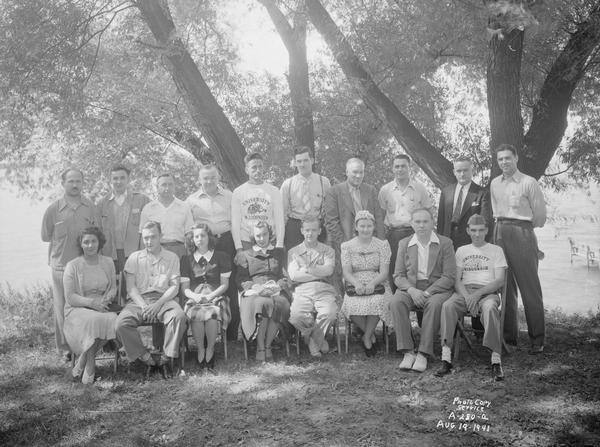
134, 217
60, 229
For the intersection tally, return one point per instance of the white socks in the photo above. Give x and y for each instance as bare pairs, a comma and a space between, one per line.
495, 358
447, 354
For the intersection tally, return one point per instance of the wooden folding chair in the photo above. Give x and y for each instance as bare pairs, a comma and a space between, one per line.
461, 332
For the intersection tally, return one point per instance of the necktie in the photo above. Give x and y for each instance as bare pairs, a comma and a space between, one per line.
306, 206
458, 206
354, 192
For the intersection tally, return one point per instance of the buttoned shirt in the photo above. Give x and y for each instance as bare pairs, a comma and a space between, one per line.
292, 191
423, 254
215, 211
518, 197
399, 202
321, 256
465, 190
61, 225
153, 272
356, 199
175, 220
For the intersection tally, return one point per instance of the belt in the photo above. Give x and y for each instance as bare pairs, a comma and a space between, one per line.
171, 243
220, 235
510, 221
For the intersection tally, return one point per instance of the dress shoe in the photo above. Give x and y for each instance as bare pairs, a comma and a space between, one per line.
420, 364
260, 355
536, 349
313, 348
147, 359
324, 347
210, 364
497, 372
408, 361
445, 369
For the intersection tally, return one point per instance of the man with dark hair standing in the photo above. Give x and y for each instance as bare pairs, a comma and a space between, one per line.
398, 199
63, 221
119, 217
303, 197
518, 205
459, 201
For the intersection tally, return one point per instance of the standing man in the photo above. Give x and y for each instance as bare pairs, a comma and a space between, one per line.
459, 201
152, 277
211, 205
303, 197
252, 202
425, 274
310, 266
63, 221
480, 271
345, 199
398, 199
119, 217
173, 215
518, 206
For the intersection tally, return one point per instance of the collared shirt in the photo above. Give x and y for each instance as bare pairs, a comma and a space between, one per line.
119, 199
215, 211
153, 273
175, 220
399, 202
356, 199
465, 190
61, 225
302, 256
518, 197
208, 255
423, 254
121, 208
292, 193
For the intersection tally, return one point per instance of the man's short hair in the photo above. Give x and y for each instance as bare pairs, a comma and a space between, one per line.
151, 225
418, 210
354, 160
463, 159
477, 219
402, 157
253, 156
64, 174
302, 150
208, 167
506, 147
164, 174
120, 168
311, 219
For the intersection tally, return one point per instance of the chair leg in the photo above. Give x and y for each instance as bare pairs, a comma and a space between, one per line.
297, 342
116, 361
348, 330
336, 328
386, 339
224, 338
245, 348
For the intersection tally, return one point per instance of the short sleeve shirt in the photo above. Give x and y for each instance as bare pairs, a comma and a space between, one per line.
153, 273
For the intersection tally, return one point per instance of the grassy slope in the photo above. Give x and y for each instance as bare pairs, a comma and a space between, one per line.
338, 401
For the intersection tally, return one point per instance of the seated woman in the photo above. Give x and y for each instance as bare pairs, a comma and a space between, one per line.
208, 272
365, 264
260, 280
90, 286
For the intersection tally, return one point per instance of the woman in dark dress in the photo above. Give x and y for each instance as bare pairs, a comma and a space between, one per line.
208, 272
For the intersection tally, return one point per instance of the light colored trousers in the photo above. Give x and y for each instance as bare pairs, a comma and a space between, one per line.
400, 306
312, 297
58, 298
171, 315
456, 308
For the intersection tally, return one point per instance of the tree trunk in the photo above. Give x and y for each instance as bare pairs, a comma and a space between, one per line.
216, 129
503, 92
549, 120
429, 158
294, 39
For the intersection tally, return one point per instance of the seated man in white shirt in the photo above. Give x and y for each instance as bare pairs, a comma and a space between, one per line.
480, 272
310, 265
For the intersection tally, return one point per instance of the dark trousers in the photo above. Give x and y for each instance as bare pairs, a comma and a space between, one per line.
119, 265
394, 236
293, 235
226, 245
519, 243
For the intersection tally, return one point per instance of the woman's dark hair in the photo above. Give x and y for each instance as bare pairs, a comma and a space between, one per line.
260, 225
189, 236
94, 231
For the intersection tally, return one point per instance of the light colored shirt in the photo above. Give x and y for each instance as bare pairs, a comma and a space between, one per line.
153, 273
465, 190
518, 197
478, 264
321, 258
292, 194
423, 254
256, 203
215, 211
399, 202
61, 225
175, 220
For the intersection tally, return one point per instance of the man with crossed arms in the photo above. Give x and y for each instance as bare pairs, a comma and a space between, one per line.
480, 272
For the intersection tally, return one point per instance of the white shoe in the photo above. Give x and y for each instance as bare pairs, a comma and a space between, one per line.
325, 347
408, 361
420, 364
313, 348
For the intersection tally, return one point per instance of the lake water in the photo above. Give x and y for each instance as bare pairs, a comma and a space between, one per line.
574, 288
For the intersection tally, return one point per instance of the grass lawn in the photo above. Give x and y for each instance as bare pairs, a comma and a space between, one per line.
339, 400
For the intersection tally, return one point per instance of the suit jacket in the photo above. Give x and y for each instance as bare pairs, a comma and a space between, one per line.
339, 212
107, 223
476, 202
441, 266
